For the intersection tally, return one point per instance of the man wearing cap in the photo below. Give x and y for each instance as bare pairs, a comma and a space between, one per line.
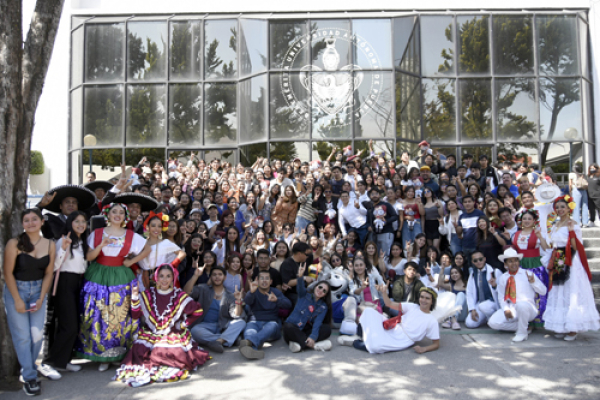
425, 149
517, 289
100, 188
213, 216
427, 181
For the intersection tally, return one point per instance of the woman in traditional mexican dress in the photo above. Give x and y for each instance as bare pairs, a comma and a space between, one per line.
107, 329
162, 251
528, 241
164, 350
571, 307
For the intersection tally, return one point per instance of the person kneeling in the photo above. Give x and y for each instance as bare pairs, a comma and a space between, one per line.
413, 323
309, 324
264, 323
519, 288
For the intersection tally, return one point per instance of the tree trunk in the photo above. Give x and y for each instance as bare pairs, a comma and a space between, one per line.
23, 68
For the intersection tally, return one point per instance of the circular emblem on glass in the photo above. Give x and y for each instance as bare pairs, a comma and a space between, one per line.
329, 87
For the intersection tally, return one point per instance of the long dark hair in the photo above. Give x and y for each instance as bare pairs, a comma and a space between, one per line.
84, 236
326, 299
23, 242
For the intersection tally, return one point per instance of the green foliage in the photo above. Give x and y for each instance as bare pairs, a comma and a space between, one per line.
37, 163
474, 45
284, 151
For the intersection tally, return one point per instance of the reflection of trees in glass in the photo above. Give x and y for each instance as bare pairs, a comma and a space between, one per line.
220, 116
335, 126
324, 149
513, 44
184, 114
133, 156
249, 154
103, 157
145, 63
212, 61
285, 151
103, 114
476, 109
283, 36
474, 44
517, 152
438, 109
185, 49
408, 107
146, 114
447, 54
378, 118
104, 52
511, 125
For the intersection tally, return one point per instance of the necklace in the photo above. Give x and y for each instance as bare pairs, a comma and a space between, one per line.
34, 244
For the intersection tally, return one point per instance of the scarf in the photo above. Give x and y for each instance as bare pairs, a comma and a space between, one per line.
569, 259
510, 293
392, 322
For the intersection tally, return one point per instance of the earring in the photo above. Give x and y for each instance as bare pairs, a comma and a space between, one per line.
123, 224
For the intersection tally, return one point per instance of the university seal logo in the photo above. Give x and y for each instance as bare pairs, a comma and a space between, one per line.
330, 87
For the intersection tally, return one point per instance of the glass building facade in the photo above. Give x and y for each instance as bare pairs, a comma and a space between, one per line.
515, 86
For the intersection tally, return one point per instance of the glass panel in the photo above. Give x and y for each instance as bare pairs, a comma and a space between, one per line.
587, 111
401, 147
408, 107
322, 150
332, 112
77, 21
104, 52
76, 118
373, 115
439, 107
287, 151
557, 42
103, 114
153, 155
220, 49
290, 106
518, 153
561, 156
253, 46
473, 44
442, 153
223, 155
286, 47
560, 109
412, 57
516, 108
146, 119
185, 113
584, 49
476, 151
331, 44
403, 29
249, 154
76, 57
513, 44
476, 109
104, 162
380, 147
186, 50
372, 47
437, 44
253, 109
182, 156
220, 114
75, 169
146, 50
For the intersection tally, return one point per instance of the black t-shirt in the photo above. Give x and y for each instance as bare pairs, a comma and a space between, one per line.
275, 276
289, 271
593, 187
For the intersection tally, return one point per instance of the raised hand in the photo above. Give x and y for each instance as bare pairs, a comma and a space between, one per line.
254, 285
272, 298
365, 284
66, 241
356, 204
135, 292
301, 269
47, 199
381, 254
492, 282
530, 277
237, 294
571, 225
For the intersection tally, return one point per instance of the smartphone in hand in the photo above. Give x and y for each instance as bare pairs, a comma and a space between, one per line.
32, 307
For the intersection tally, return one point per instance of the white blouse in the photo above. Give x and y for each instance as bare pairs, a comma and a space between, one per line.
162, 253
113, 250
76, 264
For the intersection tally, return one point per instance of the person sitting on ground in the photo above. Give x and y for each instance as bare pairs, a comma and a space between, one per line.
482, 298
518, 307
264, 324
406, 288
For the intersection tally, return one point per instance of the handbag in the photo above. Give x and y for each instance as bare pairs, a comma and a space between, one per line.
581, 182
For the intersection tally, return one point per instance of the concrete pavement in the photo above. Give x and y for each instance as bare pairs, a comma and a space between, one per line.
479, 364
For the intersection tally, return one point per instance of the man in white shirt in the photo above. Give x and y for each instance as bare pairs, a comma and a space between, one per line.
517, 289
352, 176
482, 297
355, 215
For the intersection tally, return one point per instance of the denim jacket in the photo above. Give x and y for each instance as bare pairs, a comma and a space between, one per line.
302, 315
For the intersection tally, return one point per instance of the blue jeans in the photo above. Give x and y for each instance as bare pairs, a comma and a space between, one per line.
461, 300
409, 234
26, 328
455, 243
301, 223
259, 332
362, 233
385, 241
581, 206
205, 332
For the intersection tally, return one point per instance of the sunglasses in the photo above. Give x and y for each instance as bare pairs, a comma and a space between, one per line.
322, 288
286, 229
478, 259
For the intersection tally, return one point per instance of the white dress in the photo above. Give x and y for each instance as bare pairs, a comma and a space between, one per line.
415, 326
571, 306
161, 253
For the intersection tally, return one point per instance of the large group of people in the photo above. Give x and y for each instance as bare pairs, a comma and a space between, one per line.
161, 266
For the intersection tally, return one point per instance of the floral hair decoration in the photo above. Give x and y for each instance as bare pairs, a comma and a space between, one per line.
106, 209
567, 199
163, 217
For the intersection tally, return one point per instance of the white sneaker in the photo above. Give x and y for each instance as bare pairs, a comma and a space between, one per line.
559, 335
49, 372
73, 367
22, 380
519, 338
447, 324
345, 340
103, 367
295, 347
323, 345
570, 338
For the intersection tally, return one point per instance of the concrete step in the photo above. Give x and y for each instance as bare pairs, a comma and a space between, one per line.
591, 232
592, 253
591, 242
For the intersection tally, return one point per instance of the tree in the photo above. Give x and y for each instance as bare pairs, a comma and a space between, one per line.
23, 68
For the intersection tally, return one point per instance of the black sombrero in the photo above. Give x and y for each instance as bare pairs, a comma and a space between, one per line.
99, 184
147, 203
85, 197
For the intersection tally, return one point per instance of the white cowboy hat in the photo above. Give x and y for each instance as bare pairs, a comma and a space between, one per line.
510, 253
547, 192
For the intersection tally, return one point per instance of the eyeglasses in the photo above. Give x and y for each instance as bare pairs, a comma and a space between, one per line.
327, 191
322, 288
264, 278
286, 229
478, 259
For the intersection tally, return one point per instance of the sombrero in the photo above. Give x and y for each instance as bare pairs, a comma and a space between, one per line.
547, 192
146, 202
85, 197
99, 184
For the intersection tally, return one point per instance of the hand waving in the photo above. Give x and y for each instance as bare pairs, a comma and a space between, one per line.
272, 298
301, 269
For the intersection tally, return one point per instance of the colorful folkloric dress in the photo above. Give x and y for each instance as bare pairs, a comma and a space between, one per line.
164, 252
107, 328
164, 350
571, 306
529, 246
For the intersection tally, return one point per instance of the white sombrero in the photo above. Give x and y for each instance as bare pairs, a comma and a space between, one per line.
547, 192
510, 253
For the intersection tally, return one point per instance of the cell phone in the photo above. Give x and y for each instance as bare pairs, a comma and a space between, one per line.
32, 307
